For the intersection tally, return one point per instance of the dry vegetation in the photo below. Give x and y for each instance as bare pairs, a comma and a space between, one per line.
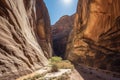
55, 63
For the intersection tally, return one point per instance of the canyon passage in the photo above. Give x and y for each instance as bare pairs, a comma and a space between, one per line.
89, 40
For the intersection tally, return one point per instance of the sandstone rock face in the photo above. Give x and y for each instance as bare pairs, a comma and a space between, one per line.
95, 40
23, 23
61, 31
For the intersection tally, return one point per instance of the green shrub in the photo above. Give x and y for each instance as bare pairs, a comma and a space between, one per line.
58, 63
56, 59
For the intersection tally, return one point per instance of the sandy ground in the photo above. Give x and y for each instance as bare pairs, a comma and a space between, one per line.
40, 71
80, 73
75, 75
57, 74
88, 73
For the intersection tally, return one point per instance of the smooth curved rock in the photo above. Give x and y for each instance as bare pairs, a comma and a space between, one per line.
23, 23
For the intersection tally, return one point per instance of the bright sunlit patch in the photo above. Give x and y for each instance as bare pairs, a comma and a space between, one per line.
67, 1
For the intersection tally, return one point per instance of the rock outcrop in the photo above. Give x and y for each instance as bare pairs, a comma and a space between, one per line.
61, 31
95, 40
23, 23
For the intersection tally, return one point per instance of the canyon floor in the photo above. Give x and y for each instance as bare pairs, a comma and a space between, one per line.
89, 73
80, 72
72, 75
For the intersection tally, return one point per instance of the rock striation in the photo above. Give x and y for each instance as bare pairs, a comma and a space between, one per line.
24, 27
61, 30
95, 39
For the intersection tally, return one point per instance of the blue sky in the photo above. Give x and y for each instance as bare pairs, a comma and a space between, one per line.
58, 8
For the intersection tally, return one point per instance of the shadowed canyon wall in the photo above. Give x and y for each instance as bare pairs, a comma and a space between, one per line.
61, 30
95, 39
23, 23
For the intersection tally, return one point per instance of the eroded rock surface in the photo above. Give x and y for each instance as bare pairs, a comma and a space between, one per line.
61, 31
23, 23
95, 40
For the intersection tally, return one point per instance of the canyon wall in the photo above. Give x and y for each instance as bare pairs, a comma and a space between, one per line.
24, 27
61, 30
95, 39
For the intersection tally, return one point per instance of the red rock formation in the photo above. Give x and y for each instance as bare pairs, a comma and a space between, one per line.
95, 38
22, 24
61, 31
43, 28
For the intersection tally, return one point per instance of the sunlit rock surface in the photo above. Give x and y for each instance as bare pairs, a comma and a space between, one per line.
61, 30
95, 40
23, 23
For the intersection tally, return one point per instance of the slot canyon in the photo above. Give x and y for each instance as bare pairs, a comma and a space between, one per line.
89, 39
